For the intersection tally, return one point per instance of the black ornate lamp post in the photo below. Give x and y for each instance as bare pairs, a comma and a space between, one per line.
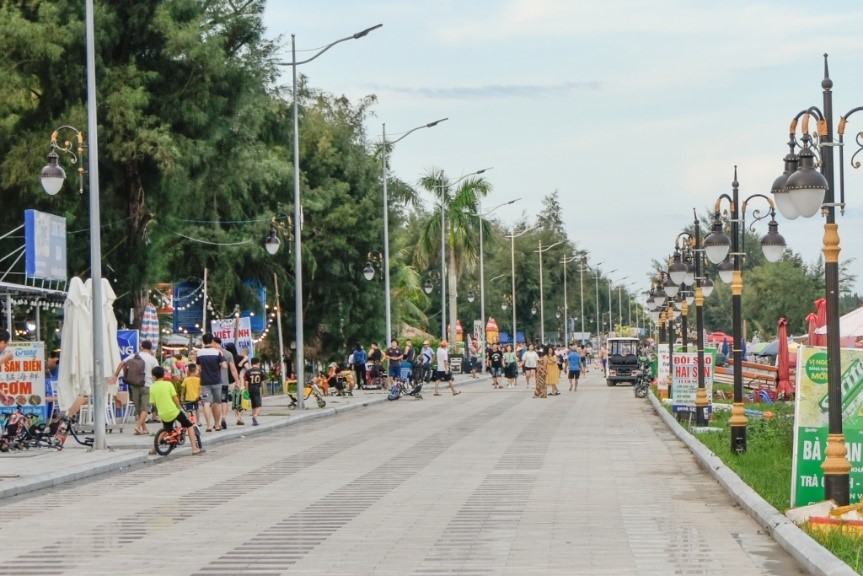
801, 191
717, 246
690, 273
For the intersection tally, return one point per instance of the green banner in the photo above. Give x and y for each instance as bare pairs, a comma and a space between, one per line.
811, 427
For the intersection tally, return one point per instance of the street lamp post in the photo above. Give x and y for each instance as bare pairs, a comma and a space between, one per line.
384, 151
582, 268
481, 216
443, 274
298, 219
620, 299
610, 320
566, 261
541, 295
512, 238
52, 177
717, 246
596, 285
52, 180
801, 191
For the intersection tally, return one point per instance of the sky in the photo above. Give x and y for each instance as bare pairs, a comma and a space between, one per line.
635, 111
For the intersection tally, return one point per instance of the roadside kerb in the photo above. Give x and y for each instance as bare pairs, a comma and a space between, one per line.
813, 557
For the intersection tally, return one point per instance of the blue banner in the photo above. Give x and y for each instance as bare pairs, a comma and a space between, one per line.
44, 246
188, 307
129, 341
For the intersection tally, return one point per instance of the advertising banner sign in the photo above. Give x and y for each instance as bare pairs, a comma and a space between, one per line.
22, 379
810, 422
224, 329
685, 380
129, 342
44, 246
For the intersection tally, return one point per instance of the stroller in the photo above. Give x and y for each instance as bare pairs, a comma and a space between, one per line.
411, 382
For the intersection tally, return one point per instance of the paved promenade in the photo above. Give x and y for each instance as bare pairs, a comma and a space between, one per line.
487, 482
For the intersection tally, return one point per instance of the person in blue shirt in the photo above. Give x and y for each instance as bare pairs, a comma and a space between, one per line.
360, 364
573, 361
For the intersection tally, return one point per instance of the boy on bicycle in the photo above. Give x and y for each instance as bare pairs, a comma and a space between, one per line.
164, 396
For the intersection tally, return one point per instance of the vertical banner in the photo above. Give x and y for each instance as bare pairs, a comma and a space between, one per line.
685, 380
44, 246
811, 427
663, 370
129, 342
224, 329
22, 379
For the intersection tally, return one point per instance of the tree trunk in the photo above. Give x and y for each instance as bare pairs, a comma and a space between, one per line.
135, 248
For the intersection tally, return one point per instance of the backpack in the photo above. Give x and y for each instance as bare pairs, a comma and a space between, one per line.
133, 371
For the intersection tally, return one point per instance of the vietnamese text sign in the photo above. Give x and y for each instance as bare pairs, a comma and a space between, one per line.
22, 379
811, 427
662, 368
224, 329
685, 380
44, 245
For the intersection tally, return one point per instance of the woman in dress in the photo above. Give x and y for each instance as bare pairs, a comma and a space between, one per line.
552, 377
541, 371
510, 366
530, 360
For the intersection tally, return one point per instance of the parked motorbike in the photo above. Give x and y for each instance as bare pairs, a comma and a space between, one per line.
643, 379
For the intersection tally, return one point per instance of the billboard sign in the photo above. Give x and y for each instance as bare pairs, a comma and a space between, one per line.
44, 246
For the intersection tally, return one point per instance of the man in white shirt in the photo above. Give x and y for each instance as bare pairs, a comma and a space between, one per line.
443, 373
141, 394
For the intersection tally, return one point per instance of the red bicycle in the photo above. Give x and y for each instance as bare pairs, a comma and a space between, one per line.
166, 441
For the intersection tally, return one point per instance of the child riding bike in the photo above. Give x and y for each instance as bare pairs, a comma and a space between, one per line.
164, 396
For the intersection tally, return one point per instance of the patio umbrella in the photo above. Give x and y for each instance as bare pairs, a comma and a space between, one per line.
150, 325
74, 376
850, 325
110, 346
764, 349
725, 347
817, 338
783, 384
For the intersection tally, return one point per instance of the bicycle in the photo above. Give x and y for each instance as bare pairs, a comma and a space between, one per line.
309, 390
166, 441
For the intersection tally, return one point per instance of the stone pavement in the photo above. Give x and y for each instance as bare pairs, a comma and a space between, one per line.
488, 482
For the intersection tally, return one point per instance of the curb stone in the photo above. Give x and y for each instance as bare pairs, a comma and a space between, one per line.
808, 553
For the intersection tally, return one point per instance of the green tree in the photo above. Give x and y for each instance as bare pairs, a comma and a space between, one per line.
458, 202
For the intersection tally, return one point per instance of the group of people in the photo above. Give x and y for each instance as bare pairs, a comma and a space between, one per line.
543, 365
423, 365
211, 380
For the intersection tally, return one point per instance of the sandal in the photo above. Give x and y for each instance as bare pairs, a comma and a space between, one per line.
218, 429
209, 430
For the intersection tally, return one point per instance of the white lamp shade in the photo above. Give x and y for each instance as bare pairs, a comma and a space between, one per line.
369, 271
272, 244
706, 287
785, 205
716, 253
726, 272
52, 177
807, 201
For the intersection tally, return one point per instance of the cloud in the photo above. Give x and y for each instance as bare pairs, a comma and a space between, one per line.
493, 90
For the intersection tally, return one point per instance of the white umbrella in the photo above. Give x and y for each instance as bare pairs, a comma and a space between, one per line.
76, 360
850, 325
110, 346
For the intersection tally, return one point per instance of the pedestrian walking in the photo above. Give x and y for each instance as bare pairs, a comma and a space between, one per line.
530, 360
443, 371
496, 359
540, 372
510, 366
573, 368
139, 389
255, 381
211, 362
552, 377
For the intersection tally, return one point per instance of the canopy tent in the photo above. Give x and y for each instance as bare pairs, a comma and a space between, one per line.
850, 325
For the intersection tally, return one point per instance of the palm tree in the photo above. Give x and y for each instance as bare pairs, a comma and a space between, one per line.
458, 203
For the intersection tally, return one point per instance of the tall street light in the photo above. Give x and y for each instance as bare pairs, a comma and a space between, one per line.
443, 273
481, 216
541, 295
596, 275
801, 191
384, 151
717, 246
52, 180
298, 219
512, 238
566, 260
610, 320
620, 287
